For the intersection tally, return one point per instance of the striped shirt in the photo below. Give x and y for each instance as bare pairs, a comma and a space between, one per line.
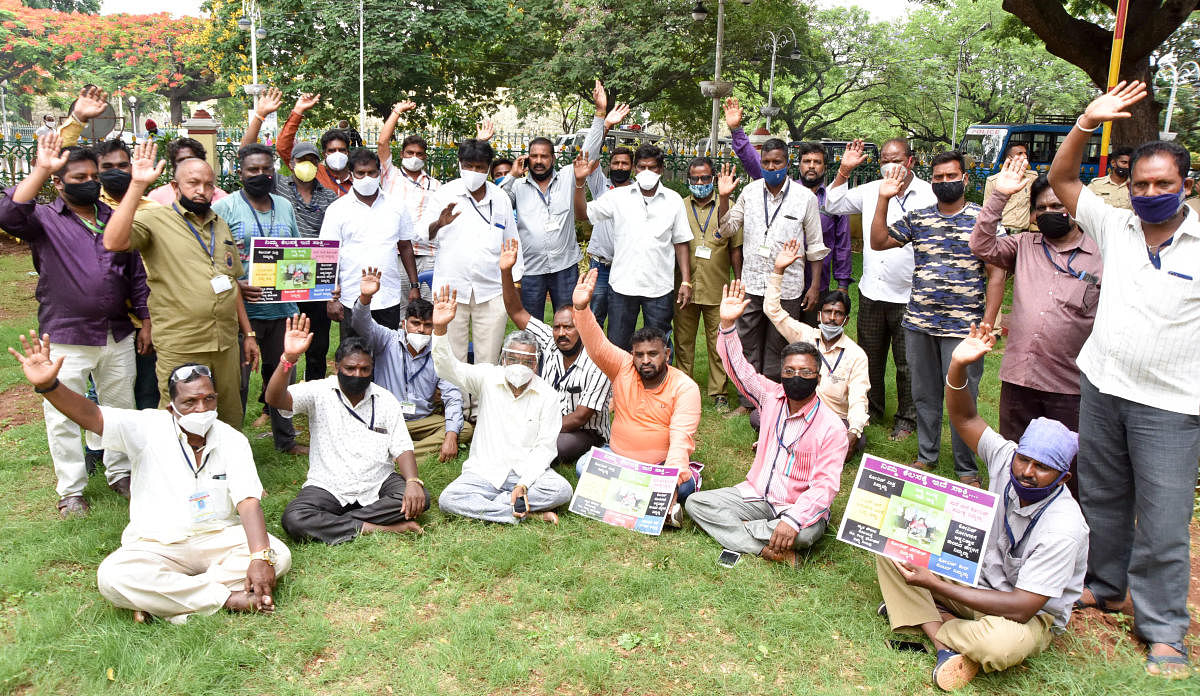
416, 195
309, 216
582, 384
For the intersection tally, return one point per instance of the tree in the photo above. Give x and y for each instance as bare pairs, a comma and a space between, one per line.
81, 6
30, 59
1065, 29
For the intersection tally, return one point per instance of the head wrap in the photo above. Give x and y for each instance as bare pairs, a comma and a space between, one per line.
1049, 442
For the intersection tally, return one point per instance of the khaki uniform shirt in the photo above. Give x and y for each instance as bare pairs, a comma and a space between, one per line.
1116, 195
1016, 212
711, 273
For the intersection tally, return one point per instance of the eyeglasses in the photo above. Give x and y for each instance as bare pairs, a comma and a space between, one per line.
187, 373
805, 373
519, 357
700, 179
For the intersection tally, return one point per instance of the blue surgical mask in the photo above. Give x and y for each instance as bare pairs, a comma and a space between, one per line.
1033, 495
1156, 209
774, 177
500, 180
701, 191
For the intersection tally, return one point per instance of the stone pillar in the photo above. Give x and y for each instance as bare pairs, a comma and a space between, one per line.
203, 128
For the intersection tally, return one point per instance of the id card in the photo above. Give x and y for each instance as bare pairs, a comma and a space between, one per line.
408, 408
764, 251
704, 252
200, 504
221, 283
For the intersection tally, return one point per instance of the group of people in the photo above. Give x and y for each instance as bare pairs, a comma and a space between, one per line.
142, 287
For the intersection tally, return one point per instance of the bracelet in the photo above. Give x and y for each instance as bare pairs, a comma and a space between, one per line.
688, 283
250, 334
255, 115
287, 366
579, 186
1085, 130
415, 480
48, 389
964, 386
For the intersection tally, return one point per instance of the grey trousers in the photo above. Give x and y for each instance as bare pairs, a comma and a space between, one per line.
1137, 482
471, 496
928, 362
740, 525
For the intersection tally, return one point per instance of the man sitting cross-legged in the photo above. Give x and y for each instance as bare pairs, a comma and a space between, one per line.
183, 552
357, 440
507, 474
783, 504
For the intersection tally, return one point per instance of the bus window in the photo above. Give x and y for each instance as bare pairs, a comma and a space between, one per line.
982, 146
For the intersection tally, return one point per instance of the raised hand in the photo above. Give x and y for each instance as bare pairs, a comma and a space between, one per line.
854, 155
296, 337
618, 114
403, 105
733, 113
508, 254
584, 167
39, 369
445, 306
50, 155
486, 130
978, 343
447, 216
893, 182
1012, 175
518, 168
306, 101
371, 280
268, 102
91, 103
145, 170
726, 181
600, 98
1112, 105
733, 303
787, 255
581, 297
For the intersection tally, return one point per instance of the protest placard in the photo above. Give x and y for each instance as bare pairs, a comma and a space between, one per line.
624, 492
294, 270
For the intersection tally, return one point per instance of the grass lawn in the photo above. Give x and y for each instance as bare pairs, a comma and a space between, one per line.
472, 608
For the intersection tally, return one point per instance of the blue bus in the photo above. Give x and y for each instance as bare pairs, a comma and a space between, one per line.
984, 146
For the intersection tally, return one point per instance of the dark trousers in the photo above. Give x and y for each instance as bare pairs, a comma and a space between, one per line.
560, 285
761, 342
1019, 405
145, 384
601, 293
878, 330
318, 351
1137, 486
572, 445
389, 317
315, 513
270, 344
623, 314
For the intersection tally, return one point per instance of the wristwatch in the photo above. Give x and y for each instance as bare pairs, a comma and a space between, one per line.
251, 334
267, 554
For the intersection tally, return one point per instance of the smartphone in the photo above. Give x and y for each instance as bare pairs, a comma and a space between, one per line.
728, 558
907, 645
521, 506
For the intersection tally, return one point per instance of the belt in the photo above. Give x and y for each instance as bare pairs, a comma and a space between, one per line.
601, 260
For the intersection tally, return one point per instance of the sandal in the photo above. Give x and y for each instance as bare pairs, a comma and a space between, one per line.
971, 480
954, 670
1094, 604
1155, 663
899, 434
923, 466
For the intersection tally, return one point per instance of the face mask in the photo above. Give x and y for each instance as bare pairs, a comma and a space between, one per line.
200, 208
1033, 495
305, 171
948, 191
647, 179
197, 423
1054, 225
336, 160
1156, 209
86, 193
500, 180
619, 176
541, 176
417, 341
259, 185
517, 375
700, 191
799, 388
115, 181
774, 177
1122, 172
830, 332
472, 180
366, 186
413, 164
573, 350
887, 168
353, 386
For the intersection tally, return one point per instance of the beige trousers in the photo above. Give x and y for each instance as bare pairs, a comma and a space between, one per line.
174, 581
994, 642
428, 433
481, 323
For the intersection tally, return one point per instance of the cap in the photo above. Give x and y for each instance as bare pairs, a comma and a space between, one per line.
302, 149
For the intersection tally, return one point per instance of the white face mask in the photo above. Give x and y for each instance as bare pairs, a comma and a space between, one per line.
472, 180
197, 423
336, 160
890, 166
417, 341
413, 164
830, 332
517, 375
366, 186
647, 179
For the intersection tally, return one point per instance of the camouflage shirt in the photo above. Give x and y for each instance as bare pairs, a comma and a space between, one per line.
948, 280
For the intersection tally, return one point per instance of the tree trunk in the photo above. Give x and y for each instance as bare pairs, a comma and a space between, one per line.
177, 106
1143, 127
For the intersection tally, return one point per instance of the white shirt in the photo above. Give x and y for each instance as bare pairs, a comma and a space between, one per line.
468, 258
416, 195
645, 230
369, 235
165, 476
352, 449
767, 221
513, 434
886, 275
1145, 343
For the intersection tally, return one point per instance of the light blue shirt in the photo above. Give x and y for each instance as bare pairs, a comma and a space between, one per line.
245, 222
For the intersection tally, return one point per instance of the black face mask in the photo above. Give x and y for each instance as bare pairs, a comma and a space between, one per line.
353, 386
1054, 225
200, 208
799, 388
948, 191
541, 176
115, 181
1122, 172
259, 185
86, 193
619, 176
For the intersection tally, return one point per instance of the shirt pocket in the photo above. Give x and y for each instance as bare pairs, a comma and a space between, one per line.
1082, 298
799, 466
218, 489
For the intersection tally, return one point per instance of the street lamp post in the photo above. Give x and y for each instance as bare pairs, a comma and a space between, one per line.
133, 113
778, 41
4, 106
249, 22
1189, 71
362, 109
717, 89
962, 45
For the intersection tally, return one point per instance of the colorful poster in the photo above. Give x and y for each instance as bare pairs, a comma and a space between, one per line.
625, 493
294, 270
910, 515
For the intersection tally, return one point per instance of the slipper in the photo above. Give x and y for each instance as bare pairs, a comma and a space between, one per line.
971, 480
899, 434
923, 466
1080, 605
882, 610
1155, 663
954, 670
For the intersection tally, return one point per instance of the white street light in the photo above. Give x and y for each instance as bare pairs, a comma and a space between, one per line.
248, 22
4, 106
717, 89
962, 45
777, 42
1189, 71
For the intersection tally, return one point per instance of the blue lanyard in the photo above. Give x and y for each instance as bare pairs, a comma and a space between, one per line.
787, 186
352, 412
254, 212
704, 227
1013, 543
487, 219
1154, 255
834, 366
781, 421
203, 463
211, 233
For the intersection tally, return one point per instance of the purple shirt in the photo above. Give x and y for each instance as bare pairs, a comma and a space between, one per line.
834, 228
84, 291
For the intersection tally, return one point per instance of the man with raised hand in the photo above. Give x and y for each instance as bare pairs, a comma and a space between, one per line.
409, 183
1015, 216
334, 170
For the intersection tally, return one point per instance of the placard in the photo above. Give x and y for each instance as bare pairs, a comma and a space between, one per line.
911, 515
624, 492
294, 270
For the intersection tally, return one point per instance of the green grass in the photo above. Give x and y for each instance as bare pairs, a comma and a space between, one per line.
472, 608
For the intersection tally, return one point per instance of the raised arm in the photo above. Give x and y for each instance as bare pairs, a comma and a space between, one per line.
512, 296
42, 372
361, 320
287, 134
265, 104
854, 155
985, 244
584, 166
49, 160
881, 237
383, 147
145, 172
90, 104
960, 405
609, 358
296, 340
787, 325
748, 382
751, 161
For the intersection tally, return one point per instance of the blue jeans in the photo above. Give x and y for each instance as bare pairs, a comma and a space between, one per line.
623, 315
682, 490
602, 291
560, 285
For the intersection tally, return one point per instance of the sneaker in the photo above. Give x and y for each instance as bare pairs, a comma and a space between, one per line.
954, 670
882, 610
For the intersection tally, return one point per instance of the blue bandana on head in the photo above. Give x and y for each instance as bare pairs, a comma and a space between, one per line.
1050, 443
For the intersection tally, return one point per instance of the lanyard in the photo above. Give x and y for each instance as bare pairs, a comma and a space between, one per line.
210, 251
1154, 255
188, 460
487, 220
336, 183
781, 422
1013, 543
353, 413
558, 380
771, 218
416, 182
834, 366
90, 226
254, 212
546, 197
410, 361
1068, 270
704, 227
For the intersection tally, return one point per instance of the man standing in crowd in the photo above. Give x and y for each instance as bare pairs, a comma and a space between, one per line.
334, 170
1139, 428
178, 150
1015, 217
500, 169
600, 244
84, 295
1113, 188
411, 183
886, 283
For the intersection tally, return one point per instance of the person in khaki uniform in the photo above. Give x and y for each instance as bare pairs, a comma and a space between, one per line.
1031, 572
192, 267
713, 255
1016, 213
1113, 189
